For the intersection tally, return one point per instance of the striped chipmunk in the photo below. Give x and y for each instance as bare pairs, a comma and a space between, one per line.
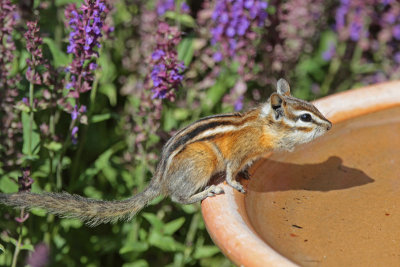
226, 143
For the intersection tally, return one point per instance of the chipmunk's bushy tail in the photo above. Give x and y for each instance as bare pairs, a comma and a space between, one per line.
91, 211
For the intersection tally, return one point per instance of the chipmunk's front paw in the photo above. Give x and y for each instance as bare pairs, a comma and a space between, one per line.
237, 186
214, 190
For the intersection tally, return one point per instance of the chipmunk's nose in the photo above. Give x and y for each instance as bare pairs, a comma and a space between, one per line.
329, 126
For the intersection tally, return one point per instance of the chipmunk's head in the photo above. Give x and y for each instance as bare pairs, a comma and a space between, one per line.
293, 121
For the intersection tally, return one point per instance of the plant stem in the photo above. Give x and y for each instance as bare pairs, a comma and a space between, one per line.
190, 237
31, 87
62, 153
93, 93
18, 245
333, 69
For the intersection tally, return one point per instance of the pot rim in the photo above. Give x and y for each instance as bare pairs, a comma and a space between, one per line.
225, 216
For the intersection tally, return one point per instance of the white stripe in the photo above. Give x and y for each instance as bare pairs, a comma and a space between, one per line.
266, 109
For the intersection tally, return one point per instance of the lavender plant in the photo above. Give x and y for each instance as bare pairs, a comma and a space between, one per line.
86, 24
10, 127
166, 74
233, 29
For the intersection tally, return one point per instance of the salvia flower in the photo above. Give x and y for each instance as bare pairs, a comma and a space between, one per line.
77, 112
25, 181
169, 5
8, 21
233, 24
166, 74
352, 18
24, 185
40, 256
87, 27
33, 45
74, 135
329, 53
10, 125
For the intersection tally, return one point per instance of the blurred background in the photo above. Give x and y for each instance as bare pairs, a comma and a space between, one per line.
91, 90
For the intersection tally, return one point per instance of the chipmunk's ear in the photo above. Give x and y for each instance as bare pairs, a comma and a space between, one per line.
276, 102
282, 87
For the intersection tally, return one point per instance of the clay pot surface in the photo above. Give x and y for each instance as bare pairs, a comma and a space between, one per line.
332, 202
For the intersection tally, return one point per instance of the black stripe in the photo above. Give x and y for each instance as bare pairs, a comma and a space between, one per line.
209, 118
221, 116
211, 137
194, 133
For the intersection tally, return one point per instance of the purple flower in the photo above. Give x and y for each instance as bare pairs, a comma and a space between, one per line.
217, 56
33, 45
74, 113
166, 74
355, 31
169, 5
330, 52
157, 54
93, 66
40, 256
25, 181
386, 2
397, 57
87, 25
341, 13
77, 112
396, 32
74, 135
233, 22
239, 103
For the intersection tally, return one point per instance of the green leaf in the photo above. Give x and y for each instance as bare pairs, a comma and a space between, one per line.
173, 226
138, 263
100, 117
186, 50
2, 249
60, 59
92, 192
35, 137
165, 243
27, 247
59, 241
71, 223
38, 212
169, 120
205, 252
181, 114
110, 91
190, 209
214, 95
8, 185
53, 146
134, 247
102, 162
153, 220
60, 3
184, 19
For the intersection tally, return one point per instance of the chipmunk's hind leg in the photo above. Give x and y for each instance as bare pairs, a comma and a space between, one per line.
191, 171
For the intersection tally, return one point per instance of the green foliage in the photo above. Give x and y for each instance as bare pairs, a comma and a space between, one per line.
164, 234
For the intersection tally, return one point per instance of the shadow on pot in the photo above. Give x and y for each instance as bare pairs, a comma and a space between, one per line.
325, 176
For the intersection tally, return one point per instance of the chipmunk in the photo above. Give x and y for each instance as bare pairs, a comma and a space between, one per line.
226, 143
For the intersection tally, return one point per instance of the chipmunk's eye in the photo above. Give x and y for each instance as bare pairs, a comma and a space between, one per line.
305, 117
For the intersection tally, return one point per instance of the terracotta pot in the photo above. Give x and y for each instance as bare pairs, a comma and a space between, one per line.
333, 202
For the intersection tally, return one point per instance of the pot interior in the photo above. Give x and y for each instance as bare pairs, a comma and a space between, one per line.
335, 201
